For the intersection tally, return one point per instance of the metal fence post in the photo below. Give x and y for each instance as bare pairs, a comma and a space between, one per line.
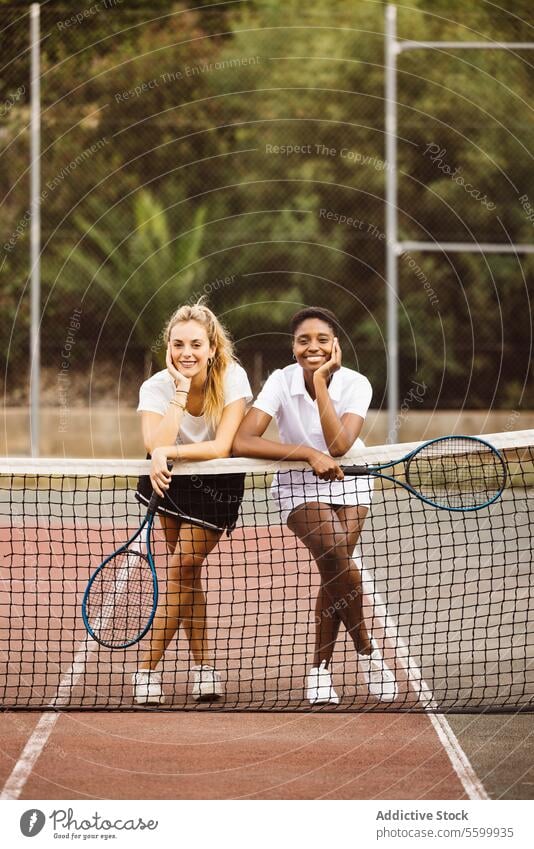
391, 220
35, 230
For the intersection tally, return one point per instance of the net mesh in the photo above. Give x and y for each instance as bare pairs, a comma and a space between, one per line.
447, 596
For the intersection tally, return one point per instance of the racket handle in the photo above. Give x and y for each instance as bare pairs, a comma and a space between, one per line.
355, 470
155, 499
153, 504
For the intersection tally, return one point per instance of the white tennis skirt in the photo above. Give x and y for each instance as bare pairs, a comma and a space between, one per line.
293, 488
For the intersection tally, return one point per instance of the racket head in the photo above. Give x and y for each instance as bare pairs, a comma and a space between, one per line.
121, 598
456, 473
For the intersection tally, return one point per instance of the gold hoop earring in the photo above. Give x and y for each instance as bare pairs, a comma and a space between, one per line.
210, 362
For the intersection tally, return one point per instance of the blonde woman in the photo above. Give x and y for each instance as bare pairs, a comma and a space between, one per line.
190, 411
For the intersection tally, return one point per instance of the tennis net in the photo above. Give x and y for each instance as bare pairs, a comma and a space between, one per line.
448, 596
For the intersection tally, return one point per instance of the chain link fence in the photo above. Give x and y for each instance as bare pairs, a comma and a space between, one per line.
238, 152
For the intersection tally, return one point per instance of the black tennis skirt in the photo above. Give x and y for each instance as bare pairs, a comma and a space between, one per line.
210, 501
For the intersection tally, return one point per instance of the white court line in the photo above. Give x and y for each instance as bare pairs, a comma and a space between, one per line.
42, 731
459, 760
44, 728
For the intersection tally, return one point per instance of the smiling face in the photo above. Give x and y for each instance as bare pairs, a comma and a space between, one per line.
190, 348
312, 343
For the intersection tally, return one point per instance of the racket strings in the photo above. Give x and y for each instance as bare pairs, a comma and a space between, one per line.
459, 473
121, 599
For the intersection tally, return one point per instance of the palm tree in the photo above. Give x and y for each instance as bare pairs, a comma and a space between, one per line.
132, 257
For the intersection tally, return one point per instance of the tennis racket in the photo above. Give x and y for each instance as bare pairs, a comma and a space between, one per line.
451, 473
121, 597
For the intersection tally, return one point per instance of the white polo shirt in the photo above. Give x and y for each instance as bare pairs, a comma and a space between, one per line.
157, 392
286, 399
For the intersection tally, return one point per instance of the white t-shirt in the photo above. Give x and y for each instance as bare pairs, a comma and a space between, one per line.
285, 398
157, 392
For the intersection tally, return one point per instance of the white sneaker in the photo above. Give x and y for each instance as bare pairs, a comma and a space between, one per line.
147, 687
319, 690
379, 678
206, 683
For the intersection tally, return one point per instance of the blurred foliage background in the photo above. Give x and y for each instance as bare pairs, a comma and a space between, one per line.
221, 151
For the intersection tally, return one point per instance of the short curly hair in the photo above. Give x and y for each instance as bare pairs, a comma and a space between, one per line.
314, 312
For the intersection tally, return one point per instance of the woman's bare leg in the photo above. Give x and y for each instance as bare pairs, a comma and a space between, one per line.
184, 602
331, 539
327, 622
